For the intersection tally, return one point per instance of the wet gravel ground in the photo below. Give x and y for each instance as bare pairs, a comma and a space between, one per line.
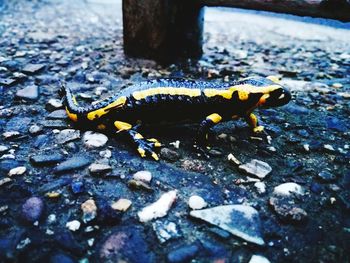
69, 195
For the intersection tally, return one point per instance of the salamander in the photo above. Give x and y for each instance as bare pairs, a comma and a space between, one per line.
177, 101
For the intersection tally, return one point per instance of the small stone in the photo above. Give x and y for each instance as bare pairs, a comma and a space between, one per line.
135, 184
46, 159
165, 231
17, 171
89, 209
196, 202
159, 208
258, 259
67, 135
28, 93
7, 82
73, 225
144, 176
288, 189
337, 85
329, 147
105, 154
121, 205
183, 254
286, 210
54, 104
77, 187
10, 134
5, 181
169, 155
76, 162
233, 159
306, 147
54, 124
57, 115
240, 220
32, 68
260, 187
326, 176
99, 168
94, 139
32, 209
257, 168
35, 129
3, 148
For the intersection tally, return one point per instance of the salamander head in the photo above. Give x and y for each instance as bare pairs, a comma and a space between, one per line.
273, 94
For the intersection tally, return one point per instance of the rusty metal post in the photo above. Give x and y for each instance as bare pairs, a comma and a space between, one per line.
163, 30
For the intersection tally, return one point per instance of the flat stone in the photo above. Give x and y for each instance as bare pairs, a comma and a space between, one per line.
257, 168
7, 82
99, 168
17, 171
19, 124
28, 93
159, 208
46, 159
184, 253
57, 115
145, 176
32, 209
165, 231
54, 124
94, 139
240, 220
121, 205
32, 68
67, 135
89, 209
74, 163
288, 189
54, 104
169, 154
128, 244
3, 148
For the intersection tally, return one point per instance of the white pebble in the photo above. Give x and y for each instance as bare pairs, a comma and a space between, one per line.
196, 202
159, 208
73, 225
258, 259
260, 187
144, 176
288, 188
94, 139
17, 171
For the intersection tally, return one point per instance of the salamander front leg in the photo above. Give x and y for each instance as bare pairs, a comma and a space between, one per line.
144, 147
252, 121
209, 122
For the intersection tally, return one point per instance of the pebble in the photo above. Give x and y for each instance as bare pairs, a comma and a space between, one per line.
326, 176
165, 231
73, 225
3, 148
286, 210
337, 85
196, 202
77, 187
240, 220
329, 148
32, 68
99, 168
28, 93
67, 135
183, 254
76, 162
32, 209
288, 189
7, 82
57, 115
105, 154
169, 155
17, 171
258, 259
46, 159
159, 208
5, 180
35, 129
121, 205
89, 209
257, 168
233, 159
10, 134
144, 176
54, 104
94, 139
260, 187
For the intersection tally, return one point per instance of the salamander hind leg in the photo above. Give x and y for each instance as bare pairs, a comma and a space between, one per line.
145, 147
252, 121
205, 126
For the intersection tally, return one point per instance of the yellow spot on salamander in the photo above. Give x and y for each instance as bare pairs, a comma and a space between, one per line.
102, 111
275, 79
142, 152
243, 95
263, 98
122, 126
72, 116
155, 156
227, 94
138, 136
74, 100
139, 95
216, 118
101, 127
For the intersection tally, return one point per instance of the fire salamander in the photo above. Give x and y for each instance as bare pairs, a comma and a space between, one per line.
177, 100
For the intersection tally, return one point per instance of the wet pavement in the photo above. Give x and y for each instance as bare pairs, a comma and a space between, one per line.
69, 195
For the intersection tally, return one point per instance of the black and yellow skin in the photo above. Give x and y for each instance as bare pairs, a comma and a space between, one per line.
177, 101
